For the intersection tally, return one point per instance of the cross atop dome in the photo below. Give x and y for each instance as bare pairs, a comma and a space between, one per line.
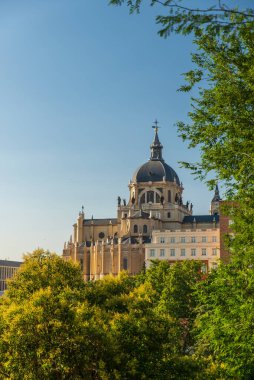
156, 125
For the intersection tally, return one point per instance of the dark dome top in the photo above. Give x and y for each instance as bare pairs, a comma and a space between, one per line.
155, 171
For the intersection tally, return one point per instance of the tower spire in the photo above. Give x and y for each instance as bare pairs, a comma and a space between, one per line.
156, 147
215, 204
216, 197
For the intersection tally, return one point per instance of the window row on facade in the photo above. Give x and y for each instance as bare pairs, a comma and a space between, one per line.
154, 196
7, 272
181, 252
184, 239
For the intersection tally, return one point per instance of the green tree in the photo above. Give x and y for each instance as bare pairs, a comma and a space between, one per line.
156, 275
148, 342
148, 337
178, 295
224, 325
110, 292
42, 269
48, 330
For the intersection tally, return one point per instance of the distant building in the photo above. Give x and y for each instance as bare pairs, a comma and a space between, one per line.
154, 211
7, 270
198, 239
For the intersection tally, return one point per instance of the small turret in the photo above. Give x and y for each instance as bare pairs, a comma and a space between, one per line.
215, 204
80, 221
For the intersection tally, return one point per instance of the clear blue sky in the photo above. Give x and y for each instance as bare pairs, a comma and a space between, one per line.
81, 84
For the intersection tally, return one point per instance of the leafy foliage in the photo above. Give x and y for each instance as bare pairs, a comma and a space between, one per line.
48, 330
182, 17
225, 322
54, 326
43, 269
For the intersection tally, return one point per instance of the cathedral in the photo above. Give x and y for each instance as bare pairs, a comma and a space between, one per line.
155, 207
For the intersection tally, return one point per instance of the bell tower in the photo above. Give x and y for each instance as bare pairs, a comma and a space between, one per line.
215, 204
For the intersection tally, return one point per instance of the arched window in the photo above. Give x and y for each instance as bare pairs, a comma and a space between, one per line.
125, 263
169, 215
142, 199
158, 198
169, 196
135, 229
150, 196
145, 229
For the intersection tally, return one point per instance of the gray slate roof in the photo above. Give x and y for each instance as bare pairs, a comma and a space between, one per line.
155, 171
201, 218
8, 263
99, 222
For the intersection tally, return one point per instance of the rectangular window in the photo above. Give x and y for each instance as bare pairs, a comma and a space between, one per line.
162, 240
183, 239
182, 252
172, 240
203, 251
193, 239
214, 251
169, 196
193, 252
152, 253
162, 252
125, 263
203, 239
214, 239
172, 252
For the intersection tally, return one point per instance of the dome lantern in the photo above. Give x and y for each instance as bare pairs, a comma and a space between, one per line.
156, 147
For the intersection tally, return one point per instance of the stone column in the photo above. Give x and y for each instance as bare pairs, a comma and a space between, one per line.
119, 266
112, 264
102, 273
86, 265
75, 258
129, 269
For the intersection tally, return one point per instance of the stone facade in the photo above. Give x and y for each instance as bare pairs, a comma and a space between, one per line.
201, 244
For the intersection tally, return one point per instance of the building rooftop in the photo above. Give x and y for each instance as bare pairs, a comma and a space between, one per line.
8, 263
201, 219
99, 222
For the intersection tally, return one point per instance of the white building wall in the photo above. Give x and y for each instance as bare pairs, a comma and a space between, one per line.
178, 245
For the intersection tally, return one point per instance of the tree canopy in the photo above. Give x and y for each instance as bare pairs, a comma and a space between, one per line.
166, 323
55, 326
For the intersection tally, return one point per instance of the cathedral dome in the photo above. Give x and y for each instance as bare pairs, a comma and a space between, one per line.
155, 170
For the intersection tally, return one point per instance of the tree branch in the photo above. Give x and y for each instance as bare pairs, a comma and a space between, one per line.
220, 9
